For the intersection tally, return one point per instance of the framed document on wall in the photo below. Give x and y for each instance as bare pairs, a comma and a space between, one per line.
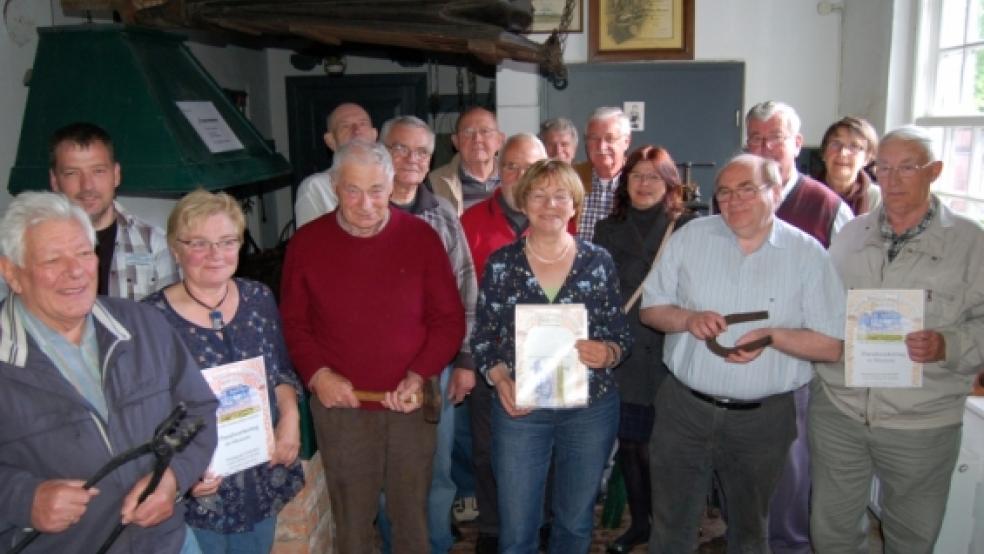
548, 13
641, 30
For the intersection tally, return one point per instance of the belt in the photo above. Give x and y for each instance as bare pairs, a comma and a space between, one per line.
725, 403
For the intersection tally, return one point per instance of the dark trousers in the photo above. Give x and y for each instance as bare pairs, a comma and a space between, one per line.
692, 441
480, 407
365, 452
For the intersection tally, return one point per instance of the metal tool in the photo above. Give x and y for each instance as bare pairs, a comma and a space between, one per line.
173, 435
731, 319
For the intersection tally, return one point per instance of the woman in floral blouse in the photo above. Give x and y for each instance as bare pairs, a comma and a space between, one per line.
550, 266
223, 319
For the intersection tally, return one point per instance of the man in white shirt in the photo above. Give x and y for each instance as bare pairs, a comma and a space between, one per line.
315, 195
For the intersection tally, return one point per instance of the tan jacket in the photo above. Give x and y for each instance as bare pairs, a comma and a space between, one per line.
946, 260
447, 183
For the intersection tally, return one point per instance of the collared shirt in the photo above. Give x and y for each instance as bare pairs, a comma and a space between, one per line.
597, 205
897, 241
844, 213
440, 215
142, 261
790, 275
474, 190
315, 197
79, 365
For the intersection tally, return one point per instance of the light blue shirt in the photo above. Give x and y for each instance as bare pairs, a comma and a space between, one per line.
79, 365
790, 275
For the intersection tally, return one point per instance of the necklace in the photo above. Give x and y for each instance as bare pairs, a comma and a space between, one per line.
214, 314
529, 248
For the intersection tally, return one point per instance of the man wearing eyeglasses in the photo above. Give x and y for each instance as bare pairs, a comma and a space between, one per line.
909, 437
731, 413
606, 140
490, 225
773, 131
134, 259
315, 195
410, 142
471, 175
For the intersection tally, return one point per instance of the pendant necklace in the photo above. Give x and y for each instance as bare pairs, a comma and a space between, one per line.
529, 247
214, 314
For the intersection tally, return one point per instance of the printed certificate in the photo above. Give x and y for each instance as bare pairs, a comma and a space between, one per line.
245, 424
874, 340
548, 371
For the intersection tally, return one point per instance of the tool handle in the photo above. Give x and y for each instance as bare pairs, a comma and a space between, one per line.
377, 396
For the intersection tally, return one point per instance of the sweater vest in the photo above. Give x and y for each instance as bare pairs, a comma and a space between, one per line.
812, 208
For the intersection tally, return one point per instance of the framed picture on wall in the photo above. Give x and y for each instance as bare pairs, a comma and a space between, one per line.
547, 15
640, 30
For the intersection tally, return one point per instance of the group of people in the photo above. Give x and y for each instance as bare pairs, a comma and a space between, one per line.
714, 353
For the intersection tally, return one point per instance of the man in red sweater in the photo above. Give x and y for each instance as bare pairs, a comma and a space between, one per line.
490, 225
369, 303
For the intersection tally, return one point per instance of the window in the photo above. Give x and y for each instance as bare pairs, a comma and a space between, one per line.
949, 99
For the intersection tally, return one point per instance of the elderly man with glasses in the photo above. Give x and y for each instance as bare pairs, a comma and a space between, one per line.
471, 175
410, 142
908, 437
729, 411
773, 132
606, 140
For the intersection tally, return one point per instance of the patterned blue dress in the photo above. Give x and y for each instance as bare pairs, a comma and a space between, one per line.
258, 493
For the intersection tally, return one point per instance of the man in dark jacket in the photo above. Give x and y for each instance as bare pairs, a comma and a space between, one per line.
82, 380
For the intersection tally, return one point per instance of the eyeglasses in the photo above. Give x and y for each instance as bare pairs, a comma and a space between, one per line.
472, 132
510, 167
405, 151
837, 146
769, 142
643, 177
743, 192
558, 198
609, 138
906, 171
201, 245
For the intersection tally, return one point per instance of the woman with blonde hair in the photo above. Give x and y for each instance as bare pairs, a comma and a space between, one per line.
550, 266
223, 319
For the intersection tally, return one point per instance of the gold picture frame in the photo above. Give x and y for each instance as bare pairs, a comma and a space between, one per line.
547, 13
620, 30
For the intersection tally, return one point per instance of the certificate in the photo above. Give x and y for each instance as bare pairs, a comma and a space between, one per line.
874, 339
548, 371
245, 424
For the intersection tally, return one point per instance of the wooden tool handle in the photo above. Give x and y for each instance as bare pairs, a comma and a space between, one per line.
377, 396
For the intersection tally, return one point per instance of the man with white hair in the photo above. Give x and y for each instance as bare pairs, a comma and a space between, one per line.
908, 437
83, 379
730, 411
490, 225
369, 303
315, 195
606, 140
773, 131
410, 142
471, 175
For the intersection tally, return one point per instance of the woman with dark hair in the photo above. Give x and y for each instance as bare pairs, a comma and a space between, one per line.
848, 146
649, 196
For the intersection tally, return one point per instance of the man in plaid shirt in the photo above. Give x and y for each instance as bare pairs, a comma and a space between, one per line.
607, 139
134, 259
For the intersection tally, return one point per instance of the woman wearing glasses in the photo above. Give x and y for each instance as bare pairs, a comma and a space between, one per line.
848, 146
550, 266
648, 198
224, 319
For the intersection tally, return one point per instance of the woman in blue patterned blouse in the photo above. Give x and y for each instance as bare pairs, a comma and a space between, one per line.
224, 320
550, 266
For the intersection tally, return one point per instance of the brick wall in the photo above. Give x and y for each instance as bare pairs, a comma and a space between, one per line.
305, 525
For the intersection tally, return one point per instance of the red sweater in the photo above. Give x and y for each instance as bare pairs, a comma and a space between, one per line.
487, 230
373, 308
811, 207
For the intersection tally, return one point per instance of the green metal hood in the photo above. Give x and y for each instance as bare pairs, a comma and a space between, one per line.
138, 84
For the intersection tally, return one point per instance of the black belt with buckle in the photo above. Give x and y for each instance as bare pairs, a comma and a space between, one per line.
725, 403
